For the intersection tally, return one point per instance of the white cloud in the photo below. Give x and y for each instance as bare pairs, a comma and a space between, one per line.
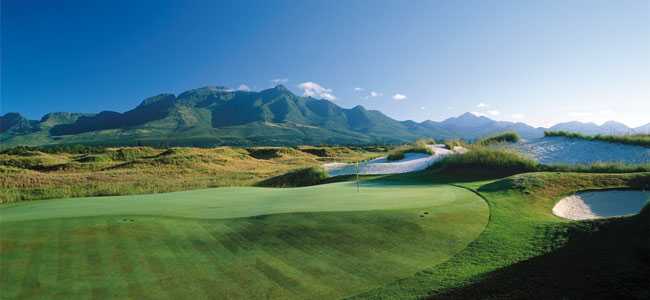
486, 113
372, 94
580, 114
482, 105
312, 89
399, 97
358, 89
243, 87
422, 108
608, 113
518, 116
279, 81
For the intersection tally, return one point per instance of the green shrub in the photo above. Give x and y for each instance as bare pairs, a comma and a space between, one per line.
297, 178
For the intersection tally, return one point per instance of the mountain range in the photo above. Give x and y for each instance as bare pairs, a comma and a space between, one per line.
212, 116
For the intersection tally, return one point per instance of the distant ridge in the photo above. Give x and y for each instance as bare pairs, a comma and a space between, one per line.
210, 116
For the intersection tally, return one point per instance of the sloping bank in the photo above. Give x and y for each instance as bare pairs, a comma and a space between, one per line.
522, 229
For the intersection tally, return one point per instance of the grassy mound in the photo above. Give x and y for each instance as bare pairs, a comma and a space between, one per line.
420, 146
500, 162
95, 171
296, 178
633, 139
506, 137
522, 229
597, 167
272, 152
325, 151
31, 161
94, 158
605, 259
321, 242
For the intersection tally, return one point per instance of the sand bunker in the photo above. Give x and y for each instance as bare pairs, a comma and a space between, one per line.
560, 150
601, 204
412, 162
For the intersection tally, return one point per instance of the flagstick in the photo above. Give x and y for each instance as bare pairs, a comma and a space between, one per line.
357, 176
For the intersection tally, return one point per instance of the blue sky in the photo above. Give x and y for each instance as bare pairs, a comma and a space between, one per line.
540, 62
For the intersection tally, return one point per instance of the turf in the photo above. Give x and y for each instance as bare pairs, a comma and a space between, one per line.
327, 241
521, 228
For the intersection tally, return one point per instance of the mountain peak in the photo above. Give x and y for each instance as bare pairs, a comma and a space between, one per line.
14, 121
613, 123
468, 119
158, 99
359, 108
12, 115
281, 87
468, 115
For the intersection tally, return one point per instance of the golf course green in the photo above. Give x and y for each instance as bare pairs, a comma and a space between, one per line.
326, 241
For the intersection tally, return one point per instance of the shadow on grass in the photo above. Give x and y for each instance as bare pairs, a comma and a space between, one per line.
603, 259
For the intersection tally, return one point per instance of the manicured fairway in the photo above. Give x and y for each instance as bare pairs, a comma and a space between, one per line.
327, 241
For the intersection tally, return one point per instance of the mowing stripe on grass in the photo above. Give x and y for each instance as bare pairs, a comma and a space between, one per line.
323, 253
30, 286
122, 256
178, 244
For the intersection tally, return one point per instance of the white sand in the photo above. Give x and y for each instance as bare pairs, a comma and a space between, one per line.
412, 162
601, 204
560, 150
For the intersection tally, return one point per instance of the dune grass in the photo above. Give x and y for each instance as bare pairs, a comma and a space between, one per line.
501, 162
324, 242
28, 173
302, 177
419, 146
631, 139
505, 137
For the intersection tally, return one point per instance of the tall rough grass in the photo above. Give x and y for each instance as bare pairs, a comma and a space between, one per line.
419, 146
508, 161
302, 177
506, 137
632, 139
503, 161
29, 174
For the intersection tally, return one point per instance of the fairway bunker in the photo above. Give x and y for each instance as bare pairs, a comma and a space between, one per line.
411, 162
601, 204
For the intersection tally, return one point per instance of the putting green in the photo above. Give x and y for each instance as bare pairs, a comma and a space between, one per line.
324, 241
